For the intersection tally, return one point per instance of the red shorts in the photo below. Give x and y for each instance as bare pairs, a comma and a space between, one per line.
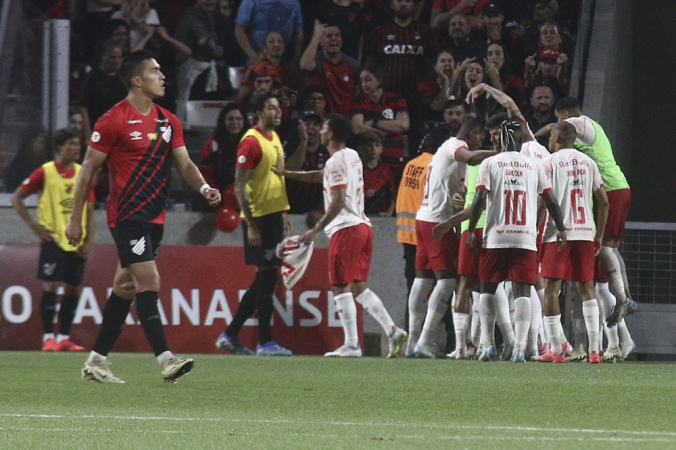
515, 264
618, 201
350, 254
575, 262
468, 261
435, 255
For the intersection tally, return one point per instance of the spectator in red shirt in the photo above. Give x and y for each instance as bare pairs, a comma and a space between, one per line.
331, 68
379, 187
376, 109
434, 92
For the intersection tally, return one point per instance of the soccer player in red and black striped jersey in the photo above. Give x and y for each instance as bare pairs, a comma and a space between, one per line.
136, 137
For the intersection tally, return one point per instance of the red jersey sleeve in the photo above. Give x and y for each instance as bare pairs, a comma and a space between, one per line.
400, 106
249, 153
106, 133
34, 182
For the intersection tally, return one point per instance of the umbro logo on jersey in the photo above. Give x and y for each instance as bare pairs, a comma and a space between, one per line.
48, 269
136, 135
132, 122
138, 246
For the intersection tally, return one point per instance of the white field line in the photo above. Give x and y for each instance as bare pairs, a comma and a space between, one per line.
669, 434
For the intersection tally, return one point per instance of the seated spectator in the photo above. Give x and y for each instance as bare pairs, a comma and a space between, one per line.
32, 154
103, 88
434, 92
256, 18
309, 155
495, 31
376, 109
139, 16
444, 10
331, 68
541, 111
347, 16
548, 68
461, 43
455, 113
500, 75
219, 154
379, 187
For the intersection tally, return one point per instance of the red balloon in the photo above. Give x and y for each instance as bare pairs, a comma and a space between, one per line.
229, 199
227, 219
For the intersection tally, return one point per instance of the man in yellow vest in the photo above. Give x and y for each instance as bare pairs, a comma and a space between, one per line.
61, 264
262, 197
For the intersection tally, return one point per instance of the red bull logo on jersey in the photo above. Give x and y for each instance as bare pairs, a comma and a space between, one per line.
515, 165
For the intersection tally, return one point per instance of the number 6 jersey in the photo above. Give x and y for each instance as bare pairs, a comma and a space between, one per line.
574, 178
513, 182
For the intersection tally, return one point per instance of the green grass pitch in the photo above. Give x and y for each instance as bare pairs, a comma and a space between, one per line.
231, 402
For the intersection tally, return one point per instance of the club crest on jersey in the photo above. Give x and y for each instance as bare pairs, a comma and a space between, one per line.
336, 176
388, 114
136, 135
167, 134
152, 136
346, 78
48, 269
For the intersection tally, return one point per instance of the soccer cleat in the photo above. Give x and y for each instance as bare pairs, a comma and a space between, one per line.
612, 355
397, 342
507, 351
458, 353
567, 349
550, 357
470, 353
544, 348
345, 351
628, 350
409, 353
50, 345
176, 367
617, 314
232, 344
576, 356
595, 358
69, 346
632, 306
99, 371
428, 351
271, 348
489, 354
518, 357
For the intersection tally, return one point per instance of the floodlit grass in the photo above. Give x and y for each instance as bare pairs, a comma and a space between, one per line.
231, 402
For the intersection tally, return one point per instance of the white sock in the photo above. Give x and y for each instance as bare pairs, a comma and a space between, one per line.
590, 311
164, 357
62, 337
535, 322
47, 336
552, 324
623, 334
612, 267
347, 311
460, 325
487, 319
374, 306
623, 271
475, 327
522, 314
417, 308
95, 357
606, 301
436, 308
502, 316
580, 328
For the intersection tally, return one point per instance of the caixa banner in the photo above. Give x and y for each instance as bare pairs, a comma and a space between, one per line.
201, 289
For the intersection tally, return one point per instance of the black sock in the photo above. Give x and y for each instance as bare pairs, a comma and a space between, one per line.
245, 310
47, 311
114, 315
266, 287
149, 316
67, 313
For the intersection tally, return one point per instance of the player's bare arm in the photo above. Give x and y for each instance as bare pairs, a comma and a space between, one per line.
191, 174
93, 161
505, 100
555, 211
478, 205
41, 232
242, 177
337, 204
473, 157
544, 131
90, 226
444, 227
311, 176
601, 202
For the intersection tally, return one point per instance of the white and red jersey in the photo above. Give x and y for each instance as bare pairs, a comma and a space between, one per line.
513, 182
574, 178
445, 176
535, 151
344, 170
